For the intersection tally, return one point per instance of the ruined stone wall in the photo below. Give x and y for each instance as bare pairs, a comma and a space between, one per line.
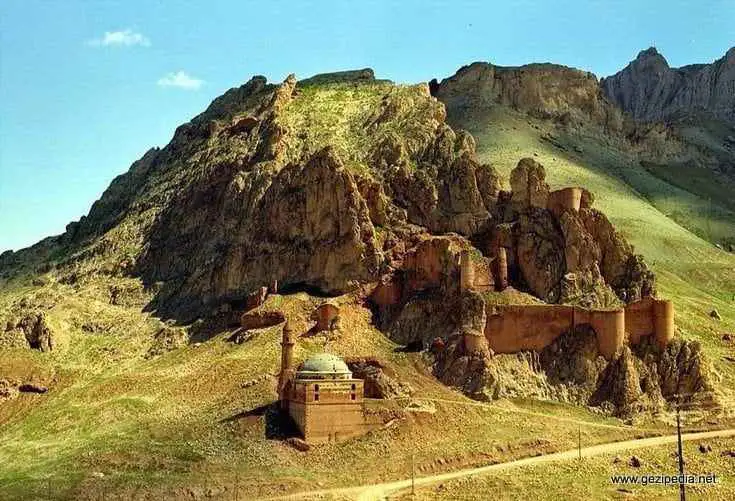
513, 328
563, 200
475, 273
609, 327
650, 316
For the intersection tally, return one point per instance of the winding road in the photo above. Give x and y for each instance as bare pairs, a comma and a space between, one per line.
381, 491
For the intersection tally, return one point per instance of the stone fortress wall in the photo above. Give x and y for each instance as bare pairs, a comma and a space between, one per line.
512, 328
446, 262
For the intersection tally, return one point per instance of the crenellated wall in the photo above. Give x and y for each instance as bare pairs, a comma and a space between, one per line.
512, 328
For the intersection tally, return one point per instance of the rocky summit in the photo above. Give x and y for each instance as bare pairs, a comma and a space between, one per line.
502, 243
650, 90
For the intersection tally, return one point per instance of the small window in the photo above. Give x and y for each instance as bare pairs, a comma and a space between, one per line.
316, 387
353, 386
316, 397
353, 396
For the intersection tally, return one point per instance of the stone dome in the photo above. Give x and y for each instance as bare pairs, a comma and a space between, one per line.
324, 366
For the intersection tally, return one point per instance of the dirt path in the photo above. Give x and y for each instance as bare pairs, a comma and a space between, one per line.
382, 491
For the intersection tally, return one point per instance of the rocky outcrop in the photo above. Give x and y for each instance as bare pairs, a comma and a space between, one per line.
326, 316
682, 370
167, 339
260, 319
257, 190
566, 95
540, 253
650, 90
37, 331
528, 184
378, 383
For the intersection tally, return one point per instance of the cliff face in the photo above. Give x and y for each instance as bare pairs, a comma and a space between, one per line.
549, 91
650, 90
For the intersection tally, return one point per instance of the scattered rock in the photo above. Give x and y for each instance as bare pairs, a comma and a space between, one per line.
167, 339
727, 337
617, 459
8, 389
704, 448
241, 336
715, 314
635, 462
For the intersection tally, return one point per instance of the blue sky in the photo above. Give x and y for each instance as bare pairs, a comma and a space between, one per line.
87, 87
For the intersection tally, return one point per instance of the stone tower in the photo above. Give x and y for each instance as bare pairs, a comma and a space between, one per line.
502, 269
466, 272
287, 344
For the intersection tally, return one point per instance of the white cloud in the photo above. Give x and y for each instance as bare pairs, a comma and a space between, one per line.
181, 80
124, 38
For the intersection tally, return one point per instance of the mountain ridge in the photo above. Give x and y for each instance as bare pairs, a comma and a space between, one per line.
650, 90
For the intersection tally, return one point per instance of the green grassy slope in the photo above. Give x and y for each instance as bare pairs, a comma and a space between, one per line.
591, 478
116, 424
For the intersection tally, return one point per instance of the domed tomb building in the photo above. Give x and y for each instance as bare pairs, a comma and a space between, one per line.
321, 396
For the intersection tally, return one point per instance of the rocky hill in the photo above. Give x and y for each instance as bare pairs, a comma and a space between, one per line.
550, 91
650, 90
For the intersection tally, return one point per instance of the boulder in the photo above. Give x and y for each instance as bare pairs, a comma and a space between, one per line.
619, 384
378, 384
243, 125
37, 331
622, 269
488, 184
32, 388
167, 339
261, 319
